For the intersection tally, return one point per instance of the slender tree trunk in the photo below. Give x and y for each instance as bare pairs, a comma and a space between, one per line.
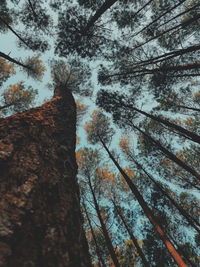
15, 33
184, 213
101, 260
106, 5
168, 55
159, 17
32, 9
104, 229
148, 212
188, 134
192, 66
182, 252
145, 5
185, 107
180, 25
181, 106
132, 237
178, 15
14, 61
40, 219
169, 154
184, 75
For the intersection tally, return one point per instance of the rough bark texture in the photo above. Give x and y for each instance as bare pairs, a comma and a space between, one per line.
40, 220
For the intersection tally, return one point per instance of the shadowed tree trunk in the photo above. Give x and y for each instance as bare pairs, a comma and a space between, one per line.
40, 220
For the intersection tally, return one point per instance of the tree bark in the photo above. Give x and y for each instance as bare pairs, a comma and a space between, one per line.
148, 212
40, 219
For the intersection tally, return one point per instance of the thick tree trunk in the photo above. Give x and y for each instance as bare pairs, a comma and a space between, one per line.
40, 220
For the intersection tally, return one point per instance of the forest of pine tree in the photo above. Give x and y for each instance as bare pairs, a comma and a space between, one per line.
99, 133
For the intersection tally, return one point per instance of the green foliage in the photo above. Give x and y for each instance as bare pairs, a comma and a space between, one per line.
36, 43
99, 128
72, 38
5, 15
87, 159
35, 69
34, 16
127, 254
73, 75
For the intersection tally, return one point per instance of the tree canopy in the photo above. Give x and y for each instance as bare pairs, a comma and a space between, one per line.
133, 68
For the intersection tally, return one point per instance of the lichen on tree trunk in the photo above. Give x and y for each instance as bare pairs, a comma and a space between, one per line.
40, 220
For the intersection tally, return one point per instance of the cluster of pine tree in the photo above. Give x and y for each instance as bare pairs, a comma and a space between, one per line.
139, 175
